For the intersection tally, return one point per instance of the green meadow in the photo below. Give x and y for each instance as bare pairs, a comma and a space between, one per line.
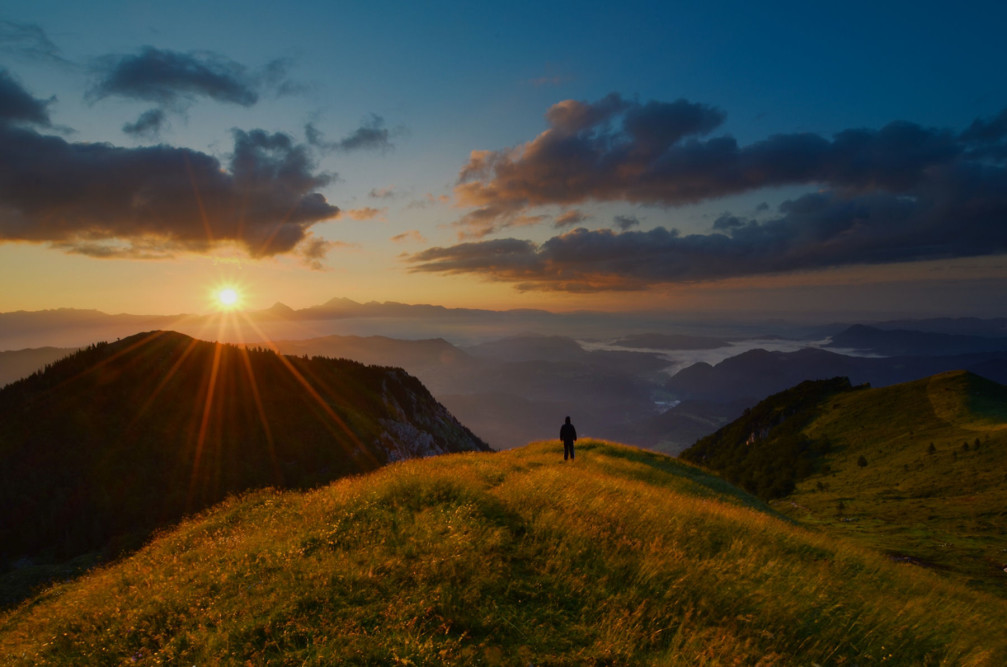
512, 558
917, 471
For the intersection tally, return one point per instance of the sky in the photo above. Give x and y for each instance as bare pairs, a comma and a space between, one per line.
775, 158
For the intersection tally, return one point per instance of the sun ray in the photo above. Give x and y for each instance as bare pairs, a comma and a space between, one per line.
166, 379
314, 394
211, 390
261, 411
104, 362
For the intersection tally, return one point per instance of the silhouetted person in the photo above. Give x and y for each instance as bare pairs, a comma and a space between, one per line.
568, 434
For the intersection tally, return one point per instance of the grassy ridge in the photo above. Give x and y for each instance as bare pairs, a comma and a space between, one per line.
945, 506
624, 556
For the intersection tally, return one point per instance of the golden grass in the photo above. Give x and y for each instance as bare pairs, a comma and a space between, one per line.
621, 557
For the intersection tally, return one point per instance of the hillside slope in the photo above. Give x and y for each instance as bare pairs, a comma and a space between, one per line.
917, 470
943, 507
512, 558
121, 438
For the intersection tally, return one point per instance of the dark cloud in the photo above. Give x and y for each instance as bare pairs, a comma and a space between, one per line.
655, 153
314, 250
170, 78
148, 125
900, 193
17, 105
956, 211
499, 259
727, 222
104, 200
569, 218
371, 135
625, 222
984, 131
987, 138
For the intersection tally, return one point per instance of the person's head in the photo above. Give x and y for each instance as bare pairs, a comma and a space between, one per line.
567, 420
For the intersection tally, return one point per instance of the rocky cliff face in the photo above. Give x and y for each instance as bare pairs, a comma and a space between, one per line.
419, 425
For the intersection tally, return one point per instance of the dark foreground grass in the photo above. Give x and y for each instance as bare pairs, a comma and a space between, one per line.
514, 558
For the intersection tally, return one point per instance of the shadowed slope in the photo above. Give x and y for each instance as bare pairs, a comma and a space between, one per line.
121, 438
513, 558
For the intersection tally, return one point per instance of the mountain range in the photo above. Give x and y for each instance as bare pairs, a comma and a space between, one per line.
908, 342
514, 389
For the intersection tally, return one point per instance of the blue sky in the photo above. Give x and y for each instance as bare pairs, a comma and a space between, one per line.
385, 102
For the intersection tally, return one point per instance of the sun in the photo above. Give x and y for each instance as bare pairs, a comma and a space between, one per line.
228, 298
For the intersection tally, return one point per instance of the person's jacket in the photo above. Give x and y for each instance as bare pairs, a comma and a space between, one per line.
567, 433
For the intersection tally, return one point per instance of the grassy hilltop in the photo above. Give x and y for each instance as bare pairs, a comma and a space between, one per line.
944, 506
622, 557
916, 470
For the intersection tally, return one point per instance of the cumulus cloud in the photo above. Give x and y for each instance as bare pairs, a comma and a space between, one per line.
899, 193
658, 153
104, 200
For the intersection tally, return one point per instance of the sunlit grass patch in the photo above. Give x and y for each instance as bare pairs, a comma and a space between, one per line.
507, 558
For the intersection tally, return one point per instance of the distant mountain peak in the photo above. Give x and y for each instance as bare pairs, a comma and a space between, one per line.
340, 302
280, 307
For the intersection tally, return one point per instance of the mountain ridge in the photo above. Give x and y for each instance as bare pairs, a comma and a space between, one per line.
121, 438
